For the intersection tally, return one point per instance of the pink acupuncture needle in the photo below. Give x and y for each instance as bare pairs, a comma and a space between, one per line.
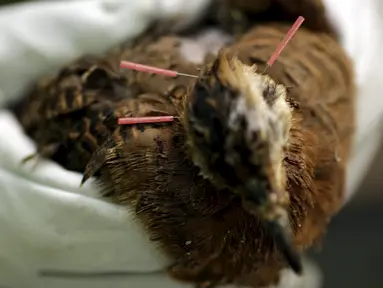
154, 70
284, 42
143, 120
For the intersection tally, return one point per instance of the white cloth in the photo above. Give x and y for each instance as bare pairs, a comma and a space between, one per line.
360, 25
46, 221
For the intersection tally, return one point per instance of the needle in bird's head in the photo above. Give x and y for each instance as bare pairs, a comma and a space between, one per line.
278, 50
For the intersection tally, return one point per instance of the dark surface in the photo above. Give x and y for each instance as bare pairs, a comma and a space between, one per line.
6, 2
352, 255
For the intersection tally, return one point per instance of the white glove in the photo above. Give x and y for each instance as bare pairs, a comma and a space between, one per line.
46, 221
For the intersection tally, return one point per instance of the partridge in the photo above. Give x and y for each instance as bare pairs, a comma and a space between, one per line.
251, 169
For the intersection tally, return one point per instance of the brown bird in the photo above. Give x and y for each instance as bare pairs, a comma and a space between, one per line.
243, 154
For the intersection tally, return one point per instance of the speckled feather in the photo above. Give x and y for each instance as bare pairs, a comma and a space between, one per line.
211, 238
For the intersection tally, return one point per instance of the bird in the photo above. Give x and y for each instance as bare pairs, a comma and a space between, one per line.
251, 158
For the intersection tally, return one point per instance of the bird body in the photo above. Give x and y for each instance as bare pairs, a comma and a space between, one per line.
170, 172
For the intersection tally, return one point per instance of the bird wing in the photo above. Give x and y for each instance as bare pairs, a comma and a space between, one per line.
68, 111
71, 114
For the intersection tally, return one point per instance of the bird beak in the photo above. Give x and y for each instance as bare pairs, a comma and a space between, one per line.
282, 237
276, 220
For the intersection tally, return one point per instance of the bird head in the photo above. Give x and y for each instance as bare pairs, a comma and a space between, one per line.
238, 124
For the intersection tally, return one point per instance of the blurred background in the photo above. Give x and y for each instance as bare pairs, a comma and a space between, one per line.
352, 251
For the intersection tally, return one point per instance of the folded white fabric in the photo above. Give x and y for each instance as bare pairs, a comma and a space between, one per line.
46, 221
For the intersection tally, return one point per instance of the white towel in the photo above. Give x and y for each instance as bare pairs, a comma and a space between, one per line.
46, 221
